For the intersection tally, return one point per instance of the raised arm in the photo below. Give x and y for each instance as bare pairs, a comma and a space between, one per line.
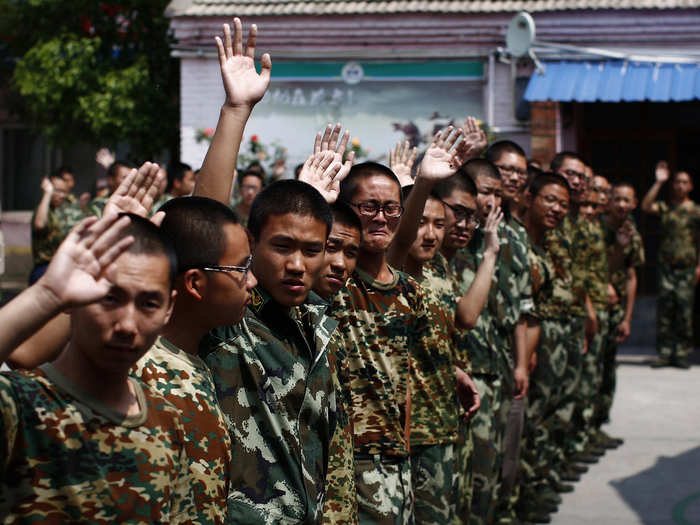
79, 273
470, 305
474, 142
438, 164
401, 160
244, 88
662, 174
41, 217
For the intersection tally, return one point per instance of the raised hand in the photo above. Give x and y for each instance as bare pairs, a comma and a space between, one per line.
328, 143
243, 85
473, 143
323, 172
104, 157
493, 220
46, 186
81, 269
401, 160
662, 172
137, 192
439, 161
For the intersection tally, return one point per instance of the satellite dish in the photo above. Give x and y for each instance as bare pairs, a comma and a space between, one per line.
520, 35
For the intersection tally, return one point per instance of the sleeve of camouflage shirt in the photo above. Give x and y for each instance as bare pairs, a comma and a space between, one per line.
9, 419
340, 505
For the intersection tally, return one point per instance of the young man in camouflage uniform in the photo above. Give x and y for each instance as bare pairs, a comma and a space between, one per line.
625, 254
546, 417
511, 161
679, 266
47, 227
213, 287
498, 334
61, 421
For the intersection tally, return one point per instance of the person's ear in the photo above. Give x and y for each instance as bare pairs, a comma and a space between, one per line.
169, 313
195, 283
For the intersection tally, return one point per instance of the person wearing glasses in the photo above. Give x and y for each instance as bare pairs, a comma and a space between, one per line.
213, 288
590, 313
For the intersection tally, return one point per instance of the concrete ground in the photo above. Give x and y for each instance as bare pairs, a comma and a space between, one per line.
654, 477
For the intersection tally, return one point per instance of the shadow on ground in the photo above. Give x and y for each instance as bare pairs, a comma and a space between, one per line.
666, 493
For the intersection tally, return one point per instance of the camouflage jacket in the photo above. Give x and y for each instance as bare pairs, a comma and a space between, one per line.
598, 275
490, 342
186, 382
68, 458
97, 205
542, 272
340, 505
434, 402
274, 384
45, 241
380, 325
680, 227
621, 258
558, 305
69, 214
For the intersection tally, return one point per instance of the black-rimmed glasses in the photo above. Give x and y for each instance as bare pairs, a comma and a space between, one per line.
461, 213
228, 269
392, 210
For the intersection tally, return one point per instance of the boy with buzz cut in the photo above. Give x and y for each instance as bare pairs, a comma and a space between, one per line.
272, 372
59, 423
213, 289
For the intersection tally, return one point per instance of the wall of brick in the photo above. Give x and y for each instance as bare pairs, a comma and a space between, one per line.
546, 131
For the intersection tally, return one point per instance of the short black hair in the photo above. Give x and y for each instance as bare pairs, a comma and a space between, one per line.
503, 146
256, 166
60, 171
176, 171
476, 167
149, 239
112, 170
288, 196
624, 183
560, 157
459, 181
251, 173
546, 178
345, 215
195, 225
358, 173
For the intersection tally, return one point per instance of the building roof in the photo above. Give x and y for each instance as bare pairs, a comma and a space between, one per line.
205, 8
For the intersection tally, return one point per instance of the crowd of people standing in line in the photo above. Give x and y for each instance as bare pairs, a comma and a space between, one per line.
429, 342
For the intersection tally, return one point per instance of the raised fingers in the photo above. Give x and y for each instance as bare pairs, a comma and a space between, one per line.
252, 39
237, 36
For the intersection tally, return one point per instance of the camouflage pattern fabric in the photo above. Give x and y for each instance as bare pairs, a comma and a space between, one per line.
340, 504
608, 382
462, 479
542, 274
680, 227
621, 258
45, 241
68, 458
565, 438
274, 384
186, 382
432, 473
674, 311
380, 325
384, 491
559, 304
597, 264
162, 200
97, 205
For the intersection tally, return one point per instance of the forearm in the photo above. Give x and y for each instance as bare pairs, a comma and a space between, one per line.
26, 314
648, 200
215, 179
521, 344
43, 345
533, 336
470, 305
41, 217
631, 292
410, 221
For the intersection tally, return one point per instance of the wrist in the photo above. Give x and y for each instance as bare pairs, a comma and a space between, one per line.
240, 110
46, 299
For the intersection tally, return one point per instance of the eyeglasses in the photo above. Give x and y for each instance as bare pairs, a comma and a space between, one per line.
574, 173
391, 210
228, 269
461, 214
512, 169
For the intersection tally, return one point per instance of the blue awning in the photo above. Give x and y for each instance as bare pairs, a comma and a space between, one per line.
614, 81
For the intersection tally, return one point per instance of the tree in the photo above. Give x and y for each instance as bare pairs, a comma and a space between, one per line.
95, 72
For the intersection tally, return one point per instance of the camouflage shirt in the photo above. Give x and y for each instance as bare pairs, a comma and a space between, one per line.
558, 305
274, 384
380, 325
45, 241
598, 274
434, 402
68, 458
680, 227
490, 342
97, 205
69, 214
542, 272
340, 505
621, 258
185, 381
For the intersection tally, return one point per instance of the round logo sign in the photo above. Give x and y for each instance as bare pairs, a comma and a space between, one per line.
352, 73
